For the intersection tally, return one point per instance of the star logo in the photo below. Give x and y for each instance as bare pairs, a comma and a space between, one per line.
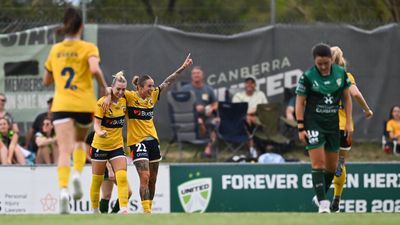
49, 203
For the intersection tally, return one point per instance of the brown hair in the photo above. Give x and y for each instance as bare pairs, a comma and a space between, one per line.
72, 22
139, 80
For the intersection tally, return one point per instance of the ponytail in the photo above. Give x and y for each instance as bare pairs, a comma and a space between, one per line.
72, 22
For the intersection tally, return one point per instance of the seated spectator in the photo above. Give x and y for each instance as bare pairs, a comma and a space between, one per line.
7, 115
206, 107
11, 152
30, 142
45, 139
393, 124
253, 97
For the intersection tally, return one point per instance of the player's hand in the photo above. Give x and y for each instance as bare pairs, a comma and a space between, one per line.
303, 136
106, 103
102, 133
188, 61
368, 114
348, 132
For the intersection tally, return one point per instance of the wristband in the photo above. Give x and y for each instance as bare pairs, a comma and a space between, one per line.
301, 129
300, 121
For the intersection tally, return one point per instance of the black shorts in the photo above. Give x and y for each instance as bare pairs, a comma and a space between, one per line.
146, 150
344, 144
89, 138
100, 155
82, 118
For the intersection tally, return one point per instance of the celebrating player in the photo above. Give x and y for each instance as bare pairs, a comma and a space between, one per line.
319, 92
108, 145
71, 65
345, 145
142, 135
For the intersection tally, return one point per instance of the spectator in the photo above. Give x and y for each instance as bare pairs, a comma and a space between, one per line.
45, 140
11, 152
8, 117
30, 143
206, 107
393, 124
253, 97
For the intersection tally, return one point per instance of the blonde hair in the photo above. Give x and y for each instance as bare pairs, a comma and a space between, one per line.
337, 56
118, 77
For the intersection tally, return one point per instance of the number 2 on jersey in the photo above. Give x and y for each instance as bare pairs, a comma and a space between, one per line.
71, 73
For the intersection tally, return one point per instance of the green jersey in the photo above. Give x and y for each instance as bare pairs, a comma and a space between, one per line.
323, 94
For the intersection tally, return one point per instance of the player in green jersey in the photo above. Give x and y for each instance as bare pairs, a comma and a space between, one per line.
319, 92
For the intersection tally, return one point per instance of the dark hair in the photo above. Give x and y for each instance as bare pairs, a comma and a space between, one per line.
72, 22
391, 111
322, 50
139, 80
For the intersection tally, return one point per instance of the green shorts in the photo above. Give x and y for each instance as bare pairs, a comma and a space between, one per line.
317, 139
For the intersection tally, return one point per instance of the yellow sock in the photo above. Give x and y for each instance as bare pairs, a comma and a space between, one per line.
122, 182
151, 204
95, 190
146, 206
79, 157
338, 183
63, 176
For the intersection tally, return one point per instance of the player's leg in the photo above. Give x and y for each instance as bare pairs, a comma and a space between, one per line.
154, 159
79, 154
65, 135
106, 190
140, 157
98, 168
3, 154
19, 156
119, 163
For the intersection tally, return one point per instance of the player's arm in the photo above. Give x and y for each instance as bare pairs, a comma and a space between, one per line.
95, 69
355, 92
44, 141
11, 147
48, 78
300, 105
97, 128
171, 78
348, 109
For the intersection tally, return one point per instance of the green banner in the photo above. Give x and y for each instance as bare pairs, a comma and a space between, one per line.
22, 58
370, 187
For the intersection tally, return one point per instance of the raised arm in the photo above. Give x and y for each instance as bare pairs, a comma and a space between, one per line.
171, 78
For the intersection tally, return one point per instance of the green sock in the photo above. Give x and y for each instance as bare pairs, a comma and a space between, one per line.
328, 180
104, 205
115, 209
318, 179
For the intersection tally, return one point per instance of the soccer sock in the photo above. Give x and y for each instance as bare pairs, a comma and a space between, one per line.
328, 180
122, 184
338, 182
151, 204
146, 206
63, 176
115, 208
79, 158
95, 190
104, 205
318, 179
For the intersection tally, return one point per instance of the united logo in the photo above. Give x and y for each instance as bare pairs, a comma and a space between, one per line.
195, 195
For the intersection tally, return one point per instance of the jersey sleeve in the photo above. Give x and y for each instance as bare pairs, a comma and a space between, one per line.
351, 78
93, 51
302, 86
347, 81
389, 126
99, 113
155, 96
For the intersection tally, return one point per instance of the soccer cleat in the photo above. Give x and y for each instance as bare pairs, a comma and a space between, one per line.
123, 211
64, 201
76, 186
315, 201
335, 205
96, 211
324, 206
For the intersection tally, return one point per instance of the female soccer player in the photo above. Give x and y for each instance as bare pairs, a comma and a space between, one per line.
108, 144
71, 64
319, 92
142, 135
345, 145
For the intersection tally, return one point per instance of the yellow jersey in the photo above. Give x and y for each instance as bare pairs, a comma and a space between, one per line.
112, 121
342, 113
140, 116
393, 126
68, 62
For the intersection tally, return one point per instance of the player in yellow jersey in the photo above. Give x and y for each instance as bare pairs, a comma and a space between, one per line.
71, 65
108, 144
142, 135
345, 145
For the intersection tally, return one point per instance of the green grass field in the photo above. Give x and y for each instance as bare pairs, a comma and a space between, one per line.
204, 219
